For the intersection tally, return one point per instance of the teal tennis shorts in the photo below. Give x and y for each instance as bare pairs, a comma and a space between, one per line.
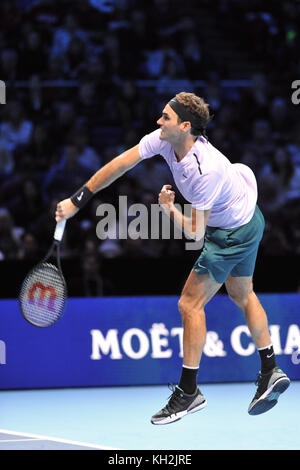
231, 251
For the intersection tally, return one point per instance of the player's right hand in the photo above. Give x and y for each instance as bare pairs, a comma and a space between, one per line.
65, 209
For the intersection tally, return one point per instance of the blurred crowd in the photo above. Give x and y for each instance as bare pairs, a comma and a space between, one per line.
86, 80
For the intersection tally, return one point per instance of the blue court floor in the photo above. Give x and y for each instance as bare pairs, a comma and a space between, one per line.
119, 418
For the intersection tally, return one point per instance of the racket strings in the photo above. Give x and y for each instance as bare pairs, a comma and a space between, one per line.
43, 295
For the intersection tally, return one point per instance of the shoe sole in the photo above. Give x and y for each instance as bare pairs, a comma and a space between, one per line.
270, 398
177, 416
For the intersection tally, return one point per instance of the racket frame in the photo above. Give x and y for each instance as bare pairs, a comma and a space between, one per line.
55, 244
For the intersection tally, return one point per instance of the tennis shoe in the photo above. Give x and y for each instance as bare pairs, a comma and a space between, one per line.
269, 388
179, 405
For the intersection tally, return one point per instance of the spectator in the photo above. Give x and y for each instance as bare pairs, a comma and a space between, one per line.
192, 55
88, 157
10, 20
171, 72
30, 248
56, 68
262, 143
106, 52
279, 119
40, 149
16, 129
27, 206
213, 95
127, 102
95, 71
9, 69
33, 59
162, 60
75, 58
110, 55
250, 158
65, 120
64, 34
88, 106
7, 162
255, 100
35, 102
65, 177
294, 146
139, 33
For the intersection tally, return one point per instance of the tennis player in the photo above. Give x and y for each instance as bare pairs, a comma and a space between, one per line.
225, 216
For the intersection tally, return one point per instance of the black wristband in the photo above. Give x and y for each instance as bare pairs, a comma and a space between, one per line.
81, 197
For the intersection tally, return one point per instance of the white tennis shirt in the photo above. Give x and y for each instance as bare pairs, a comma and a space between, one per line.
208, 180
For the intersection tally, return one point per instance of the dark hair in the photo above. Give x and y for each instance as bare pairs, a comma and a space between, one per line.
199, 108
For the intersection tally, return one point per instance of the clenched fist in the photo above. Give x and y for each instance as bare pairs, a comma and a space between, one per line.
166, 197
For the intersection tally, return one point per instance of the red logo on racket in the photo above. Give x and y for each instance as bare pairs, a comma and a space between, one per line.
42, 290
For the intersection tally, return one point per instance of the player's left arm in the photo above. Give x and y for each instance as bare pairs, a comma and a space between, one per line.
194, 226
199, 220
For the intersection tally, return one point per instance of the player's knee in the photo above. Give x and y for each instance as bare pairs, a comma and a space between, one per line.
181, 305
188, 308
240, 298
184, 307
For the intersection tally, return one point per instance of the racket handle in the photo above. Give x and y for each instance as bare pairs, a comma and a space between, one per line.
59, 230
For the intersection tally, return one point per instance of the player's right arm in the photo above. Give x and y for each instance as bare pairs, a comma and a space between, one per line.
100, 180
114, 169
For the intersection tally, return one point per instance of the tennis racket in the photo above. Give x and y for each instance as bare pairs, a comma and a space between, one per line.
43, 293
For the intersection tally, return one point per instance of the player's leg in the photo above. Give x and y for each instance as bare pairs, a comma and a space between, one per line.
197, 292
240, 291
272, 381
186, 397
